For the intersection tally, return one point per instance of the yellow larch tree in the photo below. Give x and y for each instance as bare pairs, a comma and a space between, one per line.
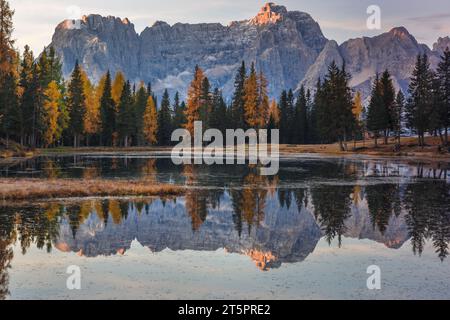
92, 114
150, 122
357, 106
51, 113
194, 101
117, 87
251, 103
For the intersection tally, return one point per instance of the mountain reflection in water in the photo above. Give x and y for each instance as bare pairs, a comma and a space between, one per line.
272, 220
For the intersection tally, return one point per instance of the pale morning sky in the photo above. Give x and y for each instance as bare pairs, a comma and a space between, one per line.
340, 20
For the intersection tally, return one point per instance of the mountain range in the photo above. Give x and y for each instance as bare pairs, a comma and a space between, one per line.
288, 46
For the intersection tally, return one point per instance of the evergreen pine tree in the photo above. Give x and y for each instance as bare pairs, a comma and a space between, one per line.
284, 118
420, 99
27, 99
443, 74
205, 102
164, 135
107, 112
376, 119
398, 116
125, 116
8, 77
300, 128
179, 109
76, 105
218, 118
388, 98
139, 109
238, 102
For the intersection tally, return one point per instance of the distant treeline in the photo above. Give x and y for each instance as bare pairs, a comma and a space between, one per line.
38, 108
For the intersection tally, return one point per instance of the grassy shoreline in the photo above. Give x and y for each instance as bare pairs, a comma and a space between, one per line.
21, 189
409, 148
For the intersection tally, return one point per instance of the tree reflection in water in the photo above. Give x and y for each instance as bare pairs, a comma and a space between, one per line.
259, 208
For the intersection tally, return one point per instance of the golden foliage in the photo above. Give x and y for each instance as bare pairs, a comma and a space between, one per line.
357, 106
117, 87
92, 100
150, 122
194, 102
51, 113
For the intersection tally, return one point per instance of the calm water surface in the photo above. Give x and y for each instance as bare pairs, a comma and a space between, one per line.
309, 233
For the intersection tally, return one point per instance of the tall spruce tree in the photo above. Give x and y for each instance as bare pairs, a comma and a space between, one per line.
8, 77
125, 116
335, 119
398, 116
376, 116
179, 109
443, 74
140, 106
218, 118
388, 98
238, 102
27, 99
205, 102
107, 112
301, 118
76, 105
420, 99
164, 135
284, 118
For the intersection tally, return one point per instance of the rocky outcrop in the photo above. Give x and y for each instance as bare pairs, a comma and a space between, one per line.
441, 45
395, 51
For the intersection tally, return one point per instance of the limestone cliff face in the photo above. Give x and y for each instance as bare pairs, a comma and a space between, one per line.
284, 44
395, 51
441, 45
288, 46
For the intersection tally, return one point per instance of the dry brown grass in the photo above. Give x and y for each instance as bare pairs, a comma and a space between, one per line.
21, 189
409, 148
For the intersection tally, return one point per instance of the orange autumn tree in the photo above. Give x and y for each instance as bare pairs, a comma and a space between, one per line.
251, 96
194, 100
256, 100
150, 122
51, 113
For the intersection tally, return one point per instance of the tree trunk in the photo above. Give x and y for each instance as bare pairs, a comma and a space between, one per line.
446, 136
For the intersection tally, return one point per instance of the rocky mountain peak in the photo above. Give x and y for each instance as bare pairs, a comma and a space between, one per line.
270, 13
400, 32
441, 45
